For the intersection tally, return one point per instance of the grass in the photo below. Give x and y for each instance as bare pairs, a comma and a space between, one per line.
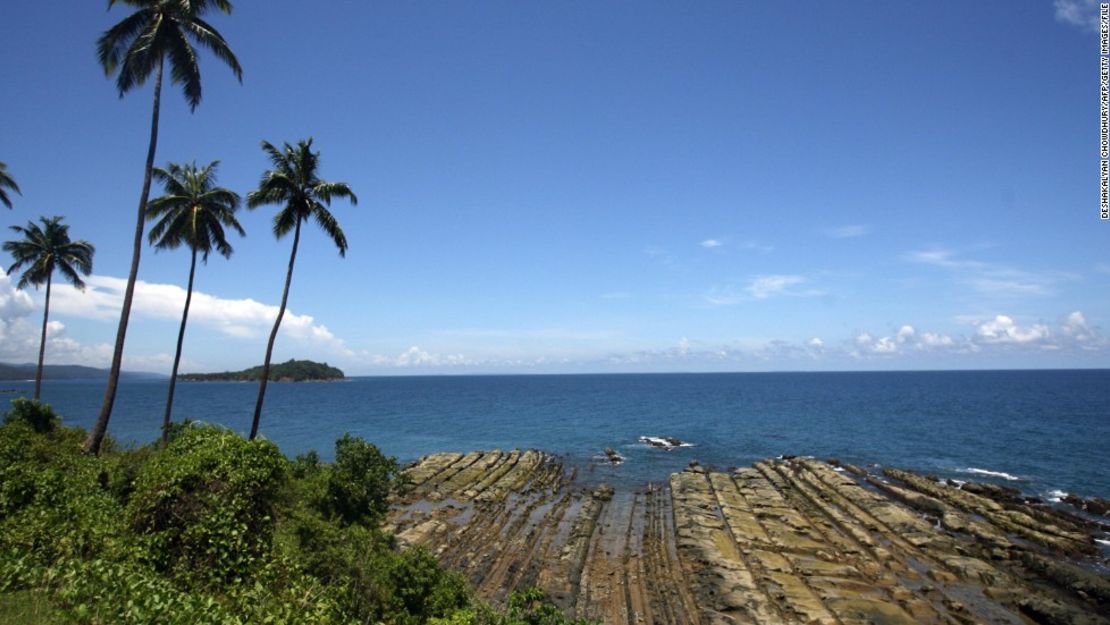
27, 607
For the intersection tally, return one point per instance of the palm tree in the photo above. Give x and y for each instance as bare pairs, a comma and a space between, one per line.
44, 250
6, 182
194, 213
294, 182
138, 46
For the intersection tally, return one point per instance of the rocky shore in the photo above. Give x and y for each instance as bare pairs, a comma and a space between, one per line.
791, 540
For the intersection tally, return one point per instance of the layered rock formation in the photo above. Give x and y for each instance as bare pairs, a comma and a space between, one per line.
784, 541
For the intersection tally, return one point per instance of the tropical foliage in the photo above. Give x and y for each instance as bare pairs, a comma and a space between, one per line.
214, 529
195, 213
7, 183
295, 184
40, 252
133, 50
292, 370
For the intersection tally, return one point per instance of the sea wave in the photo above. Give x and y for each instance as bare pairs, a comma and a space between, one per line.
1056, 496
989, 473
664, 442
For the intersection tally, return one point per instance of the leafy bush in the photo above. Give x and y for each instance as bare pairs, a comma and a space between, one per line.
212, 530
359, 482
39, 416
205, 506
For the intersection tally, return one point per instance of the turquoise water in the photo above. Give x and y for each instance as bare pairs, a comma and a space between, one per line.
1045, 430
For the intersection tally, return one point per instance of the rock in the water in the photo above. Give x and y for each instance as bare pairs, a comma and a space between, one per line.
1094, 505
663, 442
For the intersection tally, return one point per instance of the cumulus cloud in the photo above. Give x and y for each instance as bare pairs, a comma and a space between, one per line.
849, 232
711, 243
1003, 329
240, 318
816, 343
20, 333
1081, 13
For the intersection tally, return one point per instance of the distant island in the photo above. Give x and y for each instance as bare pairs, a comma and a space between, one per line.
291, 371
9, 371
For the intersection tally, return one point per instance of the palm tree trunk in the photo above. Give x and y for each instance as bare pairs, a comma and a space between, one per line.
177, 355
42, 342
96, 436
273, 334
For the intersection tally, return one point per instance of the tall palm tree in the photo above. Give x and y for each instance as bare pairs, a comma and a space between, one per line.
136, 47
295, 183
194, 213
6, 182
44, 250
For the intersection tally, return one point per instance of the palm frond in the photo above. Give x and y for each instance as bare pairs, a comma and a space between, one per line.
184, 69
111, 45
210, 38
141, 57
328, 190
330, 226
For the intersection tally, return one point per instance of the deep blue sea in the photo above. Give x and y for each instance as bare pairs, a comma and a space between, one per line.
1041, 431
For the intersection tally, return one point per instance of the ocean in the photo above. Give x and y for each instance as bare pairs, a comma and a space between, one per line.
1044, 432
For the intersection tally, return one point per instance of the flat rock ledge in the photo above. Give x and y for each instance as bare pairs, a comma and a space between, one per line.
792, 540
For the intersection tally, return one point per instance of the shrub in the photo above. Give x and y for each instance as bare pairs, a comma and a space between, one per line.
41, 417
204, 506
359, 482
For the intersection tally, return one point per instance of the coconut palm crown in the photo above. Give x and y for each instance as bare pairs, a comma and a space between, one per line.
40, 252
163, 29
294, 183
194, 212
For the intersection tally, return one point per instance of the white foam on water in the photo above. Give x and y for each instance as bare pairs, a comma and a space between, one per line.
989, 473
1056, 496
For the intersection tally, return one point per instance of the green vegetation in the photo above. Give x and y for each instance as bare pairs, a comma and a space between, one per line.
214, 528
292, 371
42, 251
134, 49
295, 183
194, 212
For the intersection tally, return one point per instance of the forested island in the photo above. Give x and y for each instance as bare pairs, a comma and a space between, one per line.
290, 371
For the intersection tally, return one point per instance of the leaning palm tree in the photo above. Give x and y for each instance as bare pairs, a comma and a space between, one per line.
138, 46
42, 251
194, 213
6, 182
294, 183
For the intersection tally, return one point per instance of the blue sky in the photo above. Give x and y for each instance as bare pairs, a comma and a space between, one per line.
595, 186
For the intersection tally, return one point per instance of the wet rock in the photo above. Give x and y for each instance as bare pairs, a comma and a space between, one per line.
783, 541
1093, 505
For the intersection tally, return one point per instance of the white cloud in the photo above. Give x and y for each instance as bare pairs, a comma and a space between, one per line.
240, 318
1082, 13
1003, 330
416, 357
991, 278
816, 343
905, 334
931, 340
849, 232
711, 243
762, 287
